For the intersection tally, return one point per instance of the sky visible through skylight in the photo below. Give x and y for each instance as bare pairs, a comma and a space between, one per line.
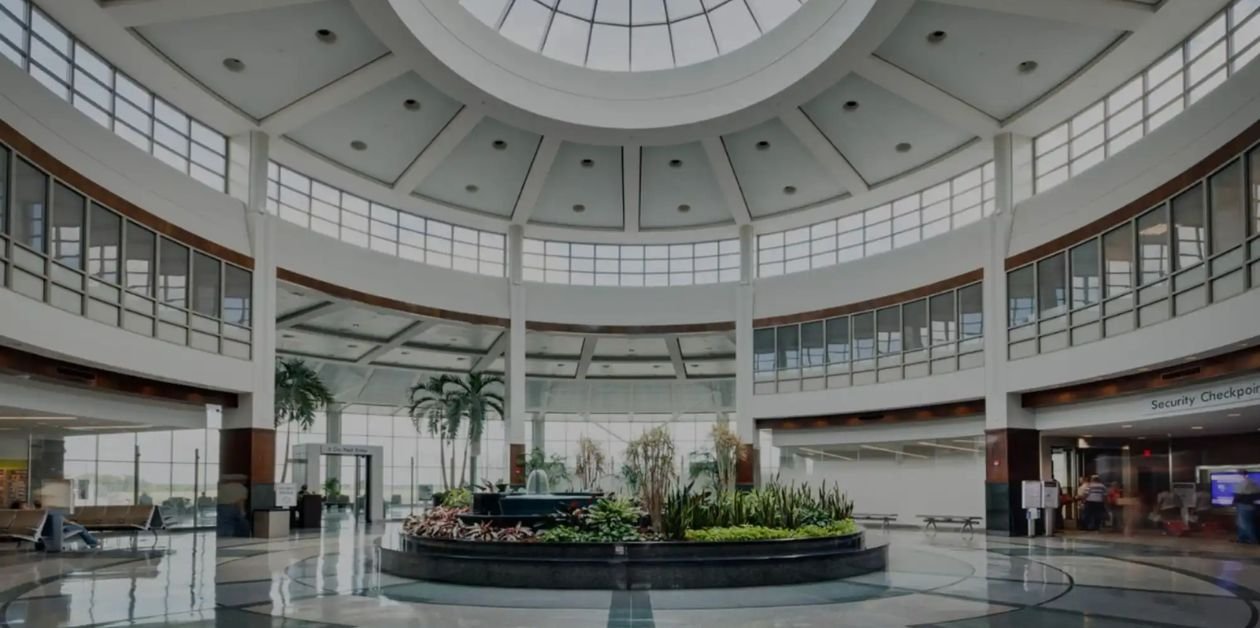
632, 35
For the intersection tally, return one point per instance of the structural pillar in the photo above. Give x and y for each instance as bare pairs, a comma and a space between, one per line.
514, 362
745, 422
247, 442
1012, 442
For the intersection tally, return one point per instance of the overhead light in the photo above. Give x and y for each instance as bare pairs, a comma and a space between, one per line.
927, 443
1088, 435
1234, 414
499, 145
358, 145
936, 37
234, 65
850, 105
1125, 427
675, 163
411, 104
1196, 427
894, 451
326, 36
819, 452
588, 163
1141, 438
1027, 67
903, 147
38, 418
763, 145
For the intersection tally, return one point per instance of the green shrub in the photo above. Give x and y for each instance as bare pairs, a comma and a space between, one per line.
457, 498
771, 506
605, 521
763, 533
565, 534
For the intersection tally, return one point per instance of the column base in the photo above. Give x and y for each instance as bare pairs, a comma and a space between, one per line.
1011, 456
247, 458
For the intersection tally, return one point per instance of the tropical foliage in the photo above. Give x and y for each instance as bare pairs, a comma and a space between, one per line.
591, 463
605, 521
445, 406
444, 523
457, 498
762, 533
651, 459
553, 466
772, 506
300, 393
728, 452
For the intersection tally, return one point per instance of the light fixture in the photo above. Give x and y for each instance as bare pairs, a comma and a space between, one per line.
823, 454
1088, 435
588, 163
326, 36
234, 65
37, 418
1125, 427
684, 208
1027, 67
927, 443
850, 105
695, 366
358, 145
936, 37
579, 208
763, 145
411, 104
471, 189
286, 335
675, 163
1196, 427
352, 346
1141, 438
1234, 414
460, 358
405, 352
894, 451
903, 147
789, 189
499, 145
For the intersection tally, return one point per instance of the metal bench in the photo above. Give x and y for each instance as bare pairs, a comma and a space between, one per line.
22, 525
885, 519
968, 522
133, 519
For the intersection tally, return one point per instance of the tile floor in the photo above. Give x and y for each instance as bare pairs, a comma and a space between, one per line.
944, 579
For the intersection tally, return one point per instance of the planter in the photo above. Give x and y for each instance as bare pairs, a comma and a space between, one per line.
649, 565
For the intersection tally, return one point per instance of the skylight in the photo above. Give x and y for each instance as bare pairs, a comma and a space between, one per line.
632, 35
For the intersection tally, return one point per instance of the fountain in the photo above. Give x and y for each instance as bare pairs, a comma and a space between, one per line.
534, 506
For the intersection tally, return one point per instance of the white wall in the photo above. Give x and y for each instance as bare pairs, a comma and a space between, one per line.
947, 485
957, 386
911, 431
58, 400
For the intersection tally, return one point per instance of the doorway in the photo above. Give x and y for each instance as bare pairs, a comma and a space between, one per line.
358, 471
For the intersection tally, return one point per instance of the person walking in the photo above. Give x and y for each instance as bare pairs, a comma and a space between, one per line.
1245, 497
1095, 503
1114, 513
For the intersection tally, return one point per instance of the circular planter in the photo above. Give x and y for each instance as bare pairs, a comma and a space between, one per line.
645, 565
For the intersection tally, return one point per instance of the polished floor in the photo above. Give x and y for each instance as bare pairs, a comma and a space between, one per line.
943, 579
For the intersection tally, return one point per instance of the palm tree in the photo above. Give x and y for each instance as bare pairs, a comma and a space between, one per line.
473, 400
299, 394
431, 407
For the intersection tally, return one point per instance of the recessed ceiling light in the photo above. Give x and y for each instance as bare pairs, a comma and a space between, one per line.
1125, 426
352, 346
325, 35
286, 335
588, 163
1234, 414
684, 208
460, 358
411, 104
903, 147
763, 145
789, 189
1196, 427
499, 145
471, 189
405, 352
656, 366
675, 163
1141, 438
358, 145
695, 366
851, 105
559, 363
1027, 67
234, 65
631, 350
1089, 435
579, 208
936, 37
454, 339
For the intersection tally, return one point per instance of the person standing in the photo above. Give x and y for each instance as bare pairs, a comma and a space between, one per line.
1245, 497
1113, 506
1095, 503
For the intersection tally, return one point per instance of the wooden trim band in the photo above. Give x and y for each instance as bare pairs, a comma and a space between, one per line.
1203, 168
42, 158
69, 373
954, 410
683, 328
1216, 367
913, 294
350, 294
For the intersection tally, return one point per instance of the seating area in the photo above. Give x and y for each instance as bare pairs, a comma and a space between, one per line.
967, 522
22, 525
885, 519
119, 519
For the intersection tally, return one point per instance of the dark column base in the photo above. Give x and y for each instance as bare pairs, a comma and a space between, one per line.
746, 467
1011, 456
247, 458
516, 452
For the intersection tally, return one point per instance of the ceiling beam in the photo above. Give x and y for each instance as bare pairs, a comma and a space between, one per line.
588, 352
308, 314
539, 168
395, 341
497, 348
928, 96
715, 150
675, 356
131, 13
631, 166
828, 154
335, 94
438, 150
1114, 14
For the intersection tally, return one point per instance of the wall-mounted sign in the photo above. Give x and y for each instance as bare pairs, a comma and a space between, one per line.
286, 495
347, 450
1207, 397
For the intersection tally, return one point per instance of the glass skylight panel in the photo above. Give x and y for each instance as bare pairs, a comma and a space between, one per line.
1187, 73
631, 35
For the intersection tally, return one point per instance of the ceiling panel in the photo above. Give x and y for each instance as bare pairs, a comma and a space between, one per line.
699, 346
869, 132
585, 177
710, 368
979, 59
313, 344
776, 172
458, 336
549, 368
674, 176
393, 131
552, 344
387, 386
612, 346
423, 359
289, 301
486, 171
361, 322
284, 60
630, 369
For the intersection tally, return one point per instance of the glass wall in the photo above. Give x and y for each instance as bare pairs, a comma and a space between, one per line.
578, 264
69, 69
937, 334
1166, 88
1200, 246
78, 255
179, 471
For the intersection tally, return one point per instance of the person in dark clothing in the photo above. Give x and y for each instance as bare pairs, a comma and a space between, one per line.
1246, 497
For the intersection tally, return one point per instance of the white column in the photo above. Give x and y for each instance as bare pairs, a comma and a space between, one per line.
514, 362
1012, 161
256, 409
745, 426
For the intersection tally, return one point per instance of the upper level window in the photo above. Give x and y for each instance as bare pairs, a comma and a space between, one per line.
550, 261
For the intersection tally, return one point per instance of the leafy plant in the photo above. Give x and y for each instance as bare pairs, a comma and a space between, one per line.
605, 521
651, 457
553, 466
444, 405
763, 533
475, 399
300, 393
771, 506
591, 463
457, 498
443, 523
430, 407
728, 452
332, 487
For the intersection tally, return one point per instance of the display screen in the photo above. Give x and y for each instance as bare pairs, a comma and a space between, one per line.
1223, 483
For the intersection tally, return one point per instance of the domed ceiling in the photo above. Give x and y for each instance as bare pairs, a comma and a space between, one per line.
911, 97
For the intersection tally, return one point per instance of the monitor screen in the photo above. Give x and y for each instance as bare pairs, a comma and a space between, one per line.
1223, 483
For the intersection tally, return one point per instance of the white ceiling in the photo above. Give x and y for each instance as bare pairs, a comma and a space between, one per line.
935, 97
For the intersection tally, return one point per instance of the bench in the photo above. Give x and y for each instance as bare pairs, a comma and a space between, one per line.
22, 525
132, 519
884, 518
968, 522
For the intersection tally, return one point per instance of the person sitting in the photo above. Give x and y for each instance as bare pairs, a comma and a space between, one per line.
68, 529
